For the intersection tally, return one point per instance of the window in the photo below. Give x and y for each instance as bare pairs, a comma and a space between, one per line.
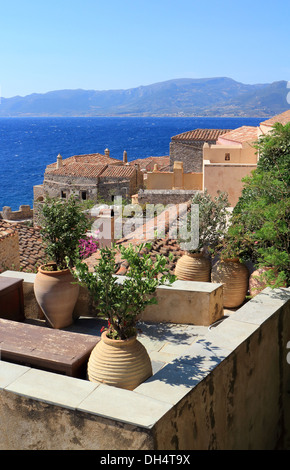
227, 156
84, 195
63, 195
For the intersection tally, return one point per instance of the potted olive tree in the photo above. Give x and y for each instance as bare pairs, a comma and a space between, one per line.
119, 359
63, 224
195, 264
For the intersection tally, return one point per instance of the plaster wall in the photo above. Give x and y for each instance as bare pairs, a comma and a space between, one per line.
226, 177
243, 404
167, 180
238, 154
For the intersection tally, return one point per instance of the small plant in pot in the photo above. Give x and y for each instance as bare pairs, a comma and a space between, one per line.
119, 359
195, 264
63, 224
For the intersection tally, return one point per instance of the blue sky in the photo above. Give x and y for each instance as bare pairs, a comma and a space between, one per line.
113, 44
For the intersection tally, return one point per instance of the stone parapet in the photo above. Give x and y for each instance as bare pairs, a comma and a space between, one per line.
24, 212
165, 196
226, 388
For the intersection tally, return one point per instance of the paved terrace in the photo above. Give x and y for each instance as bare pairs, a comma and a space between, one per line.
222, 386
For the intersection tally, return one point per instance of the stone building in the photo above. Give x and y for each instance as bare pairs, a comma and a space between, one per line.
89, 177
188, 147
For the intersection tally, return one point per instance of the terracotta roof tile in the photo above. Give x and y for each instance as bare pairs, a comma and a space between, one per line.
85, 170
163, 246
93, 158
112, 171
240, 135
144, 163
200, 135
283, 118
31, 250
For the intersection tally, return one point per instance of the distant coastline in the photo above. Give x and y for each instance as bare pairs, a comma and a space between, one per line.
195, 98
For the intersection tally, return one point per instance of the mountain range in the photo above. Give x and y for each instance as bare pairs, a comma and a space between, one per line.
212, 97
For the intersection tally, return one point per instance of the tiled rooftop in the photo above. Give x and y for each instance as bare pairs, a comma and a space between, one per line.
118, 171
30, 245
283, 118
145, 162
201, 135
145, 233
240, 135
92, 158
85, 170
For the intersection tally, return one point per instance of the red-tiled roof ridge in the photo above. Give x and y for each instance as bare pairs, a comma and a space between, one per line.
145, 162
93, 158
86, 170
241, 134
282, 118
116, 171
200, 135
163, 245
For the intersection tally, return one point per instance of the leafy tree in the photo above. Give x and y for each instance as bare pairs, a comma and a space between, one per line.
63, 225
212, 220
261, 218
122, 302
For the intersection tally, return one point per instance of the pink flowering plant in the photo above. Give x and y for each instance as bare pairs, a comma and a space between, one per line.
87, 246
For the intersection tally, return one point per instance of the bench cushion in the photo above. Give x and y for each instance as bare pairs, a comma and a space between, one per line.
45, 348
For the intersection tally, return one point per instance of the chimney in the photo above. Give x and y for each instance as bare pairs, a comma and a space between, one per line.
59, 161
125, 159
107, 153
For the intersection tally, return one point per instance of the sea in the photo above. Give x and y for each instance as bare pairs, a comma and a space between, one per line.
28, 145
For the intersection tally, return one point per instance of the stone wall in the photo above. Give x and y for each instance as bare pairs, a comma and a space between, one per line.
9, 249
24, 212
109, 187
64, 186
191, 154
226, 177
162, 196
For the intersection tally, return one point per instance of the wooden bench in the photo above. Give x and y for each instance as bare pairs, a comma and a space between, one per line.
45, 348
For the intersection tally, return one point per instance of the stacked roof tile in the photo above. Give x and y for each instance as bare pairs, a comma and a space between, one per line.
31, 249
282, 118
144, 163
200, 135
113, 171
85, 170
240, 135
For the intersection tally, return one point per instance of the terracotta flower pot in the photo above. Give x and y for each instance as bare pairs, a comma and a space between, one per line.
120, 363
56, 295
193, 267
234, 276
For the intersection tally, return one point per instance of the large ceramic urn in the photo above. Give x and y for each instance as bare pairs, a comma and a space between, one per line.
119, 363
193, 267
56, 293
234, 276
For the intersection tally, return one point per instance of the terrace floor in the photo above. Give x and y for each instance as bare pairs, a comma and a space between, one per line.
164, 342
